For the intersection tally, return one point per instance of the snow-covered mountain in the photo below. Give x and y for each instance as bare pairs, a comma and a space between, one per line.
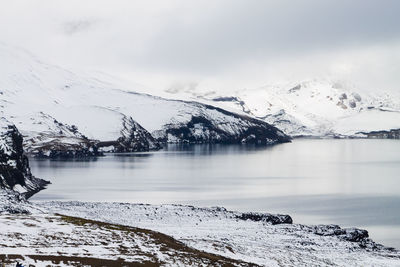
320, 107
60, 112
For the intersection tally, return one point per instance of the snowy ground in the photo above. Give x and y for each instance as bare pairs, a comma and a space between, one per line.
48, 238
217, 231
121, 234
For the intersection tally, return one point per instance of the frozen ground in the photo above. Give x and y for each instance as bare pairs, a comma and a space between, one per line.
121, 234
248, 237
45, 240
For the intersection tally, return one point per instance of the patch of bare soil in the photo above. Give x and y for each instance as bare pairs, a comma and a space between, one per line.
94, 243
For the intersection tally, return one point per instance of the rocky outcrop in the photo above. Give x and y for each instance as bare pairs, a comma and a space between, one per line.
66, 141
55, 139
207, 125
134, 138
356, 235
391, 134
220, 126
350, 234
12, 202
65, 147
266, 217
15, 173
287, 123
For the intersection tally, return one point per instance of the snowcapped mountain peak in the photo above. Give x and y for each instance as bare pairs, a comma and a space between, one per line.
317, 107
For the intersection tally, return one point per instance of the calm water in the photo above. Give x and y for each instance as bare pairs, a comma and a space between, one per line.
346, 182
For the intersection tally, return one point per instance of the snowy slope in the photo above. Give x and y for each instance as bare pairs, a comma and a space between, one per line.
317, 107
42, 239
250, 237
46, 101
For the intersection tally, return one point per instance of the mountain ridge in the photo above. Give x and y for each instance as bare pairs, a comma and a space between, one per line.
64, 114
319, 107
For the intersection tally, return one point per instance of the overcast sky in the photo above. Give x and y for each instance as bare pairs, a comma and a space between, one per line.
214, 44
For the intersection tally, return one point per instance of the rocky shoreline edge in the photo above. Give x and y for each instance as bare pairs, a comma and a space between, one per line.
172, 235
124, 234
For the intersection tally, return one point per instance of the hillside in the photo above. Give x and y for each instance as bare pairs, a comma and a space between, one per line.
60, 112
322, 107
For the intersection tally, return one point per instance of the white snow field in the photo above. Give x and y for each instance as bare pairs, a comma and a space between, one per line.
226, 233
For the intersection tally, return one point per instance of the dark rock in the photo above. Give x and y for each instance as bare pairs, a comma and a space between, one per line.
326, 230
349, 234
353, 234
390, 134
56, 149
134, 138
294, 89
234, 130
226, 99
359, 236
266, 217
70, 143
14, 165
61, 141
343, 96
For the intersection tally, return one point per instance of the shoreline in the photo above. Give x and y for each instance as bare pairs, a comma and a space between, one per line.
248, 239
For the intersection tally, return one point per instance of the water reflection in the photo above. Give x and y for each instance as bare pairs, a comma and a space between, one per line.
349, 182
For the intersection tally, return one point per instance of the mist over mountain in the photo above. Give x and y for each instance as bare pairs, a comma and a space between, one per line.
214, 45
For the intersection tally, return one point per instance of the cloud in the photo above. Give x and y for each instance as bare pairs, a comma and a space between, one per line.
220, 43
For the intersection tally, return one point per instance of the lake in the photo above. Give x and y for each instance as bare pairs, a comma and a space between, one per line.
346, 182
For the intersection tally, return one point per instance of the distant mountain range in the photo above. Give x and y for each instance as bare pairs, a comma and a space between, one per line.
61, 113
320, 108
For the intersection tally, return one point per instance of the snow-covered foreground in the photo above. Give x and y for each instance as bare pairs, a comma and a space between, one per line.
44, 240
121, 234
247, 237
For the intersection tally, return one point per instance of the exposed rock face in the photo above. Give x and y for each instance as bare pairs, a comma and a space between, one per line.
212, 125
55, 139
12, 202
223, 127
349, 234
134, 138
359, 236
226, 99
15, 173
391, 134
287, 123
66, 141
62, 147
266, 217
